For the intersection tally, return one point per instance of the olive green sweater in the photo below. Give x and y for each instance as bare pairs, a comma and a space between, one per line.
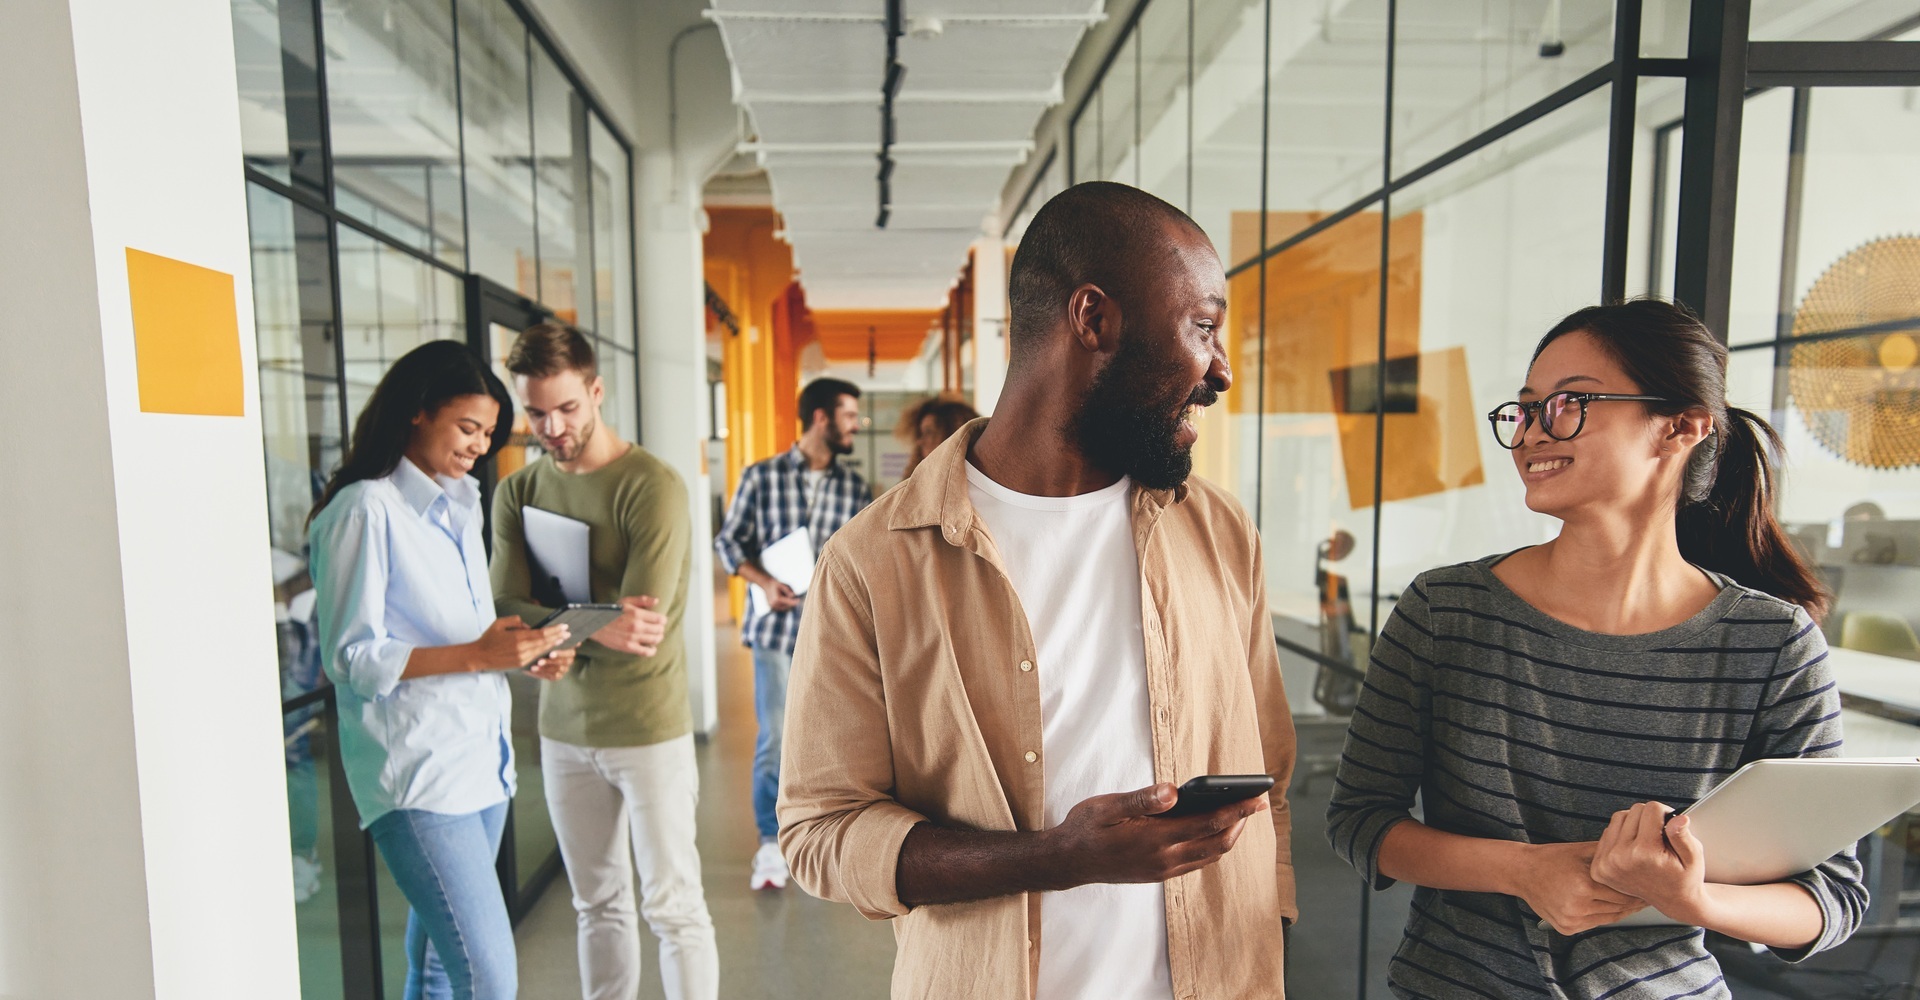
640, 545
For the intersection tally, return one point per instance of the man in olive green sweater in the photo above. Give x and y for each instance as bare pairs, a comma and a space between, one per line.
616, 736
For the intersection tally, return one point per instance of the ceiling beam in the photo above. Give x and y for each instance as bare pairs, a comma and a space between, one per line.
1088, 19
1019, 146
1048, 98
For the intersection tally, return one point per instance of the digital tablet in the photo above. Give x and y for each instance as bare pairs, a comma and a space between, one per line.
1774, 819
583, 620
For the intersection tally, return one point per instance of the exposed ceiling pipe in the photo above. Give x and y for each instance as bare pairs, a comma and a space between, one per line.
889, 89
673, 107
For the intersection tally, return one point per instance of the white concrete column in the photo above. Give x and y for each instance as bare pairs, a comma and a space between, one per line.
989, 322
673, 389
143, 810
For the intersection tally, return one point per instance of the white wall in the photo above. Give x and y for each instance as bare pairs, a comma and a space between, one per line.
990, 349
68, 791
143, 850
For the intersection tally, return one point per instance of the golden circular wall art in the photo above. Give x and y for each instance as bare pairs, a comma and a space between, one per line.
1860, 395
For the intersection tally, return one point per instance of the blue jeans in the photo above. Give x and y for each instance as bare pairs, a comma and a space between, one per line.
770, 669
459, 939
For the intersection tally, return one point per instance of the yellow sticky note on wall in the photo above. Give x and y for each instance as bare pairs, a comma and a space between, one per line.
186, 337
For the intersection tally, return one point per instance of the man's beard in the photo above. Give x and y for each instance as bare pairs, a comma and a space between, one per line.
579, 446
1130, 417
840, 445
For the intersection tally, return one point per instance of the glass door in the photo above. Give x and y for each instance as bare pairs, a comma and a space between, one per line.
529, 853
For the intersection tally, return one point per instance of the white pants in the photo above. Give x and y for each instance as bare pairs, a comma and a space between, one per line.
601, 801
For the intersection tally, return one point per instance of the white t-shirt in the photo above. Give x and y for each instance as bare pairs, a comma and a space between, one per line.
1073, 564
814, 477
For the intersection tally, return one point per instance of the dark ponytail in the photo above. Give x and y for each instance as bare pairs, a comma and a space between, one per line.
1725, 520
422, 381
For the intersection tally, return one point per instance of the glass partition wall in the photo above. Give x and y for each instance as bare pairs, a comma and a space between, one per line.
1407, 194
416, 170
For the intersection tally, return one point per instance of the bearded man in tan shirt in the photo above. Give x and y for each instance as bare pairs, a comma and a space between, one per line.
1011, 660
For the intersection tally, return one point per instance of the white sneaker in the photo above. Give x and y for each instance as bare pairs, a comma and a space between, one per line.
769, 868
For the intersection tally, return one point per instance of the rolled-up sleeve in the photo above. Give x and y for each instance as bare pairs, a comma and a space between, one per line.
1802, 719
738, 539
840, 828
1384, 762
350, 569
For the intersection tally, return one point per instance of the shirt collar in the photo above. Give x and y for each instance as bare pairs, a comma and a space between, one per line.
936, 493
798, 462
421, 491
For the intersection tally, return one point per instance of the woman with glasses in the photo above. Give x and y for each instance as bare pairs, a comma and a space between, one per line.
1550, 705
417, 659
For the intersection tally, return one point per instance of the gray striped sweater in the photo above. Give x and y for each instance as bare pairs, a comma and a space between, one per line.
1513, 725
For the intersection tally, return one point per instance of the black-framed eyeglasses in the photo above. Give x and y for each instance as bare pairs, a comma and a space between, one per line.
1561, 415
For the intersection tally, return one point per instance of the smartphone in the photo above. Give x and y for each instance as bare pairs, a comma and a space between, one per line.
583, 620
1211, 791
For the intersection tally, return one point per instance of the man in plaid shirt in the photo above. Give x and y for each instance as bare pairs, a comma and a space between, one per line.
807, 488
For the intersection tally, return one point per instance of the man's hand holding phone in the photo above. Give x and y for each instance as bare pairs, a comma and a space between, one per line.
1125, 838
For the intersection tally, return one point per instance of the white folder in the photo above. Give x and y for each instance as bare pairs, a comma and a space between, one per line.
790, 561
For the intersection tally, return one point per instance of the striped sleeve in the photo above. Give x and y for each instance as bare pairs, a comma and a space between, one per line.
1384, 760
738, 539
1801, 718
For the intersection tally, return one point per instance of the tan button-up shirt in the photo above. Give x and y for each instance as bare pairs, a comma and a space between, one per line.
915, 697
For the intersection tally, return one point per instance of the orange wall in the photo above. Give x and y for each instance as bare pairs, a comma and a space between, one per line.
846, 335
793, 330
751, 271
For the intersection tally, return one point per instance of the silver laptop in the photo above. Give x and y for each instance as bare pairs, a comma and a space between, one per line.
1777, 818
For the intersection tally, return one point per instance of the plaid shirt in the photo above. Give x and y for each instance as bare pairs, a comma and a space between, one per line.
771, 504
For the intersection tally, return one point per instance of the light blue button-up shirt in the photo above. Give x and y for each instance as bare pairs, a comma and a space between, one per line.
398, 564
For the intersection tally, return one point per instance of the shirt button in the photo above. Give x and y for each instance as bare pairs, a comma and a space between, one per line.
1026, 666
1031, 756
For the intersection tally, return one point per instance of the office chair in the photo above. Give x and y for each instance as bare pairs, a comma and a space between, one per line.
1334, 689
1871, 632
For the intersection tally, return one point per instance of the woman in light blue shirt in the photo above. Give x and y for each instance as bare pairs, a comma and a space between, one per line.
408, 637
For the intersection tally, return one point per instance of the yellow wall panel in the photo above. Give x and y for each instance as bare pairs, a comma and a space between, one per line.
186, 337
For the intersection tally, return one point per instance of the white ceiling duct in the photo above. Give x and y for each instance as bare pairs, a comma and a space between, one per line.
978, 74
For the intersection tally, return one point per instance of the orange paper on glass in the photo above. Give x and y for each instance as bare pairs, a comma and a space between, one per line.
186, 337
1431, 450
